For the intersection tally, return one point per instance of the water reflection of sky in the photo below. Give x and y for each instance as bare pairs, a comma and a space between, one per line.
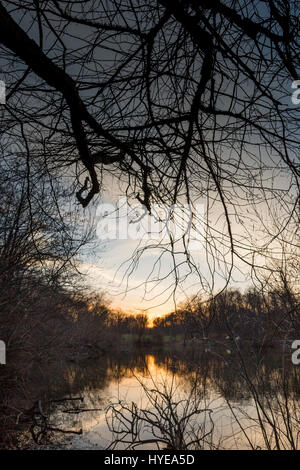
232, 407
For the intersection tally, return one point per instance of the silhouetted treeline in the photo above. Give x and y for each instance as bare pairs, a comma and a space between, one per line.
253, 314
44, 309
38, 320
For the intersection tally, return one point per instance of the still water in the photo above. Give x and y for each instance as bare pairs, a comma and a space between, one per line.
162, 400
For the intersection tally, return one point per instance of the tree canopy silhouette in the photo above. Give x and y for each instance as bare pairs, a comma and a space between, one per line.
180, 100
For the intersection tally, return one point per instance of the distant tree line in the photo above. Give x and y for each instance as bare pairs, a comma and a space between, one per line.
254, 314
44, 305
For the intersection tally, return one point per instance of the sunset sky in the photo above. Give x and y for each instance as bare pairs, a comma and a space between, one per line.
108, 265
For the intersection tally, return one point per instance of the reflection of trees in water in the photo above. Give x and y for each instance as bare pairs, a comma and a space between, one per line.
172, 418
126, 364
262, 398
239, 384
51, 381
226, 375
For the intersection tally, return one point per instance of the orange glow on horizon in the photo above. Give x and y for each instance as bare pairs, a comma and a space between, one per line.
131, 308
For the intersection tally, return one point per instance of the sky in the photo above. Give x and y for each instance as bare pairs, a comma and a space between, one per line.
109, 263
110, 268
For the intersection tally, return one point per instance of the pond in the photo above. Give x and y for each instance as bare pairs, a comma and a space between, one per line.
174, 400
